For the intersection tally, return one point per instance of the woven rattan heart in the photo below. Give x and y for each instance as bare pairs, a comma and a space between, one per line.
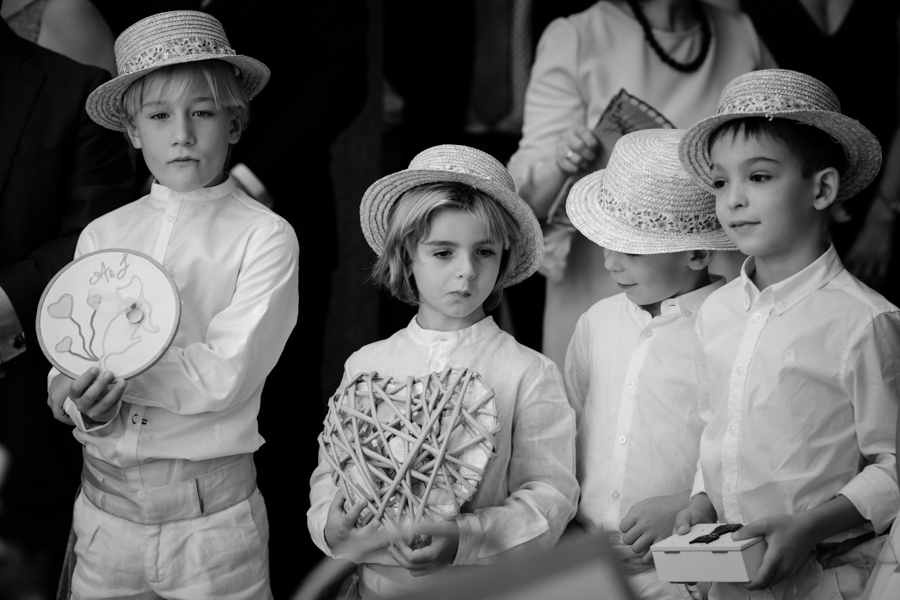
414, 450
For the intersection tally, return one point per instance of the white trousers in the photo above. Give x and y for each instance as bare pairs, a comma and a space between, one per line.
224, 555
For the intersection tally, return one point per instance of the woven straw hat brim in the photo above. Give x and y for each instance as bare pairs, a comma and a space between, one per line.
105, 103
861, 147
584, 210
375, 210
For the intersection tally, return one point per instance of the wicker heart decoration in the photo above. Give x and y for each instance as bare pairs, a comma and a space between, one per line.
414, 450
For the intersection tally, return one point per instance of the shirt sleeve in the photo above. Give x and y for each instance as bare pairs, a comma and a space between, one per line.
553, 101
872, 380
322, 491
243, 342
577, 369
543, 490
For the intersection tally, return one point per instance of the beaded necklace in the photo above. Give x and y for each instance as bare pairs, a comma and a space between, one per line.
705, 33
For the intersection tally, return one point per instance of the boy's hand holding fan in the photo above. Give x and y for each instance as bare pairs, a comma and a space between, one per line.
407, 456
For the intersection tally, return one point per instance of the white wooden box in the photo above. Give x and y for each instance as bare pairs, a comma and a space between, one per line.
724, 559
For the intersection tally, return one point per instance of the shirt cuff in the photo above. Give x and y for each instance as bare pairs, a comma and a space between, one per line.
470, 537
248, 180
78, 418
875, 496
699, 484
12, 337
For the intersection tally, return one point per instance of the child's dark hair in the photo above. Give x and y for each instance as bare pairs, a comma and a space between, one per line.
409, 222
814, 149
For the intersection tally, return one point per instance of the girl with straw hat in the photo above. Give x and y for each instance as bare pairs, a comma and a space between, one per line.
800, 358
169, 504
630, 372
451, 233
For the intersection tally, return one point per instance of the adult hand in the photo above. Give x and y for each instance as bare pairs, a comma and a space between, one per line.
576, 150
440, 552
870, 254
650, 521
345, 539
789, 543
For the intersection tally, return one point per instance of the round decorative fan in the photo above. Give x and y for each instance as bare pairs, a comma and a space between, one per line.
415, 450
116, 310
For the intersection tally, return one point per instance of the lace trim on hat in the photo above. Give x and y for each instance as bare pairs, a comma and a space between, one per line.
655, 221
162, 53
763, 104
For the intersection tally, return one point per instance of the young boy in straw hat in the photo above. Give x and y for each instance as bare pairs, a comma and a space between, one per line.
802, 361
169, 505
630, 372
451, 233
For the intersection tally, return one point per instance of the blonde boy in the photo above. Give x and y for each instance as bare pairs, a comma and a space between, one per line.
801, 360
169, 505
630, 371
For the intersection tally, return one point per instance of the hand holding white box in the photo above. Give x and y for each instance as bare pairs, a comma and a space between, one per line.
716, 558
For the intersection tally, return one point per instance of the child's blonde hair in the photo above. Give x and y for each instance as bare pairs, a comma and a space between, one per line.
220, 78
409, 223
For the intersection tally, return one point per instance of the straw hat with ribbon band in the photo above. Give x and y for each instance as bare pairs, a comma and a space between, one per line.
784, 94
644, 202
447, 164
162, 40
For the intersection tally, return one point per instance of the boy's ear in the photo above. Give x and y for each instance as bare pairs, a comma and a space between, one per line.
700, 259
237, 128
131, 132
828, 182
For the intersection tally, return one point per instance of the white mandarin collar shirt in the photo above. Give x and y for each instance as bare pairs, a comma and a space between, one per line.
800, 385
528, 492
235, 265
632, 381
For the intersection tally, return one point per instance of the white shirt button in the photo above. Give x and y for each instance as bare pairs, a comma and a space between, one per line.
758, 316
687, 313
780, 305
622, 439
615, 538
648, 334
630, 385
435, 366
170, 217
731, 428
740, 370
616, 495
258, 309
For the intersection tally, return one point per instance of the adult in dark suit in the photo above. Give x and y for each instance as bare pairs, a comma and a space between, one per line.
58, 171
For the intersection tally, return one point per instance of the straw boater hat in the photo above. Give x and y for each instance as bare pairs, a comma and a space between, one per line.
446, 164
779, 93
644, 202
169, 38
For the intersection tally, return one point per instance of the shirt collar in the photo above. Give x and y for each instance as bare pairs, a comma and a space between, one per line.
685, 305
161, 192
795, 288
452, 339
